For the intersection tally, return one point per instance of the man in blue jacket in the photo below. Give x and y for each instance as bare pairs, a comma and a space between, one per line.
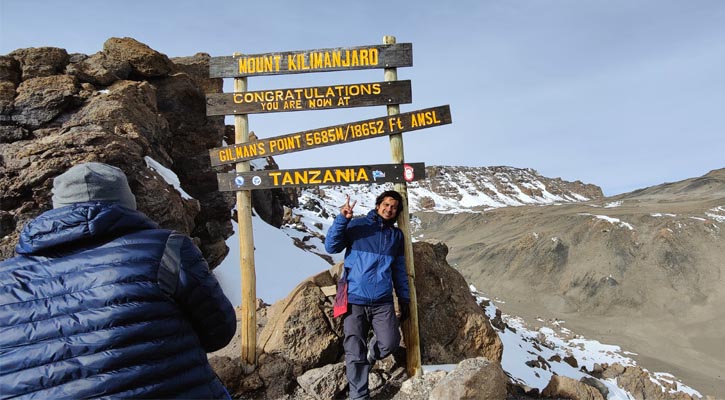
374, 266
100, 302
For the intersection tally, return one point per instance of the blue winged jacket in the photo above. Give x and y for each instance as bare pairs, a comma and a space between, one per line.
83, 313
374, 258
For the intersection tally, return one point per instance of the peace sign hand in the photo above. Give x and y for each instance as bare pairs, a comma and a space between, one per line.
346, 209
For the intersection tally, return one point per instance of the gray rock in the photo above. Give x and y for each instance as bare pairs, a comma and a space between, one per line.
10, 69
144, 61
9, 133
453, 327
53, 116
40, 100
40, 61
475, 378
597, 384
568, 388
99, 69
323, 383
419, 387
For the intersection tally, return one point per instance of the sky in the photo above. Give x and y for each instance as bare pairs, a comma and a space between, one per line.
623, 94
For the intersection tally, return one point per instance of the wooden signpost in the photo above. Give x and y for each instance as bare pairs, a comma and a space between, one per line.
410, 326
390, 92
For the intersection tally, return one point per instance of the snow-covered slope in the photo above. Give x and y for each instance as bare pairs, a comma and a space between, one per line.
280, 266
281, 263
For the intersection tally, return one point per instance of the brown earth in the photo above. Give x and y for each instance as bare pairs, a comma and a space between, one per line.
655, 289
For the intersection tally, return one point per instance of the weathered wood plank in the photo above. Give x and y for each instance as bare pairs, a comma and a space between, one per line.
310, 98
316, 60
346, 175
344, 133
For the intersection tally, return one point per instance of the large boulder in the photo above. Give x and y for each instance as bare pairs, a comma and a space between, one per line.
41, 61
42, 99
327, 382
453, 326
568, 388
419, 387
9, 79
7, 97
127, 109
144, 61
475, 378
10, 69
99, 69
197, 67
12, 133
642, 385
301, 328
472, 379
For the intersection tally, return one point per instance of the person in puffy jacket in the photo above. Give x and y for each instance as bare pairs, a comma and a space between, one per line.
100, 302
374, 266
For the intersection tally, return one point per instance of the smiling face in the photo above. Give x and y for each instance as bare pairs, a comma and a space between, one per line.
388, 208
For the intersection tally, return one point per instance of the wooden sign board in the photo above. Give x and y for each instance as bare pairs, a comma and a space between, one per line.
318, 60
310, 98
350, 132
360, 174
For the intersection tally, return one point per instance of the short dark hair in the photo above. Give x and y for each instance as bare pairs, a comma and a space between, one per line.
395, 196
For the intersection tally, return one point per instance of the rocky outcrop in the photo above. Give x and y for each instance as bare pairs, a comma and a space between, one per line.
641, 384
301, 328
647, 262
40, 62
127, 105
69, 109
144, 61
475, 378
453, 326
328, 382
568, 388
300, 335
501, 186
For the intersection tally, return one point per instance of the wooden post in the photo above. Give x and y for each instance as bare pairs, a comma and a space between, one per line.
410, 326
246, 248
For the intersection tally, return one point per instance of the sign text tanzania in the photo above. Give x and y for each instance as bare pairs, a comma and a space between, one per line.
319, 60
348, 175
321, 137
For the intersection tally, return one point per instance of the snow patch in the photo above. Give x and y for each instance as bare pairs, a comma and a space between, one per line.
169, 176
613, 221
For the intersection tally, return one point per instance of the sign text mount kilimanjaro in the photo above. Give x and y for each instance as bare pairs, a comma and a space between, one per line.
318, 60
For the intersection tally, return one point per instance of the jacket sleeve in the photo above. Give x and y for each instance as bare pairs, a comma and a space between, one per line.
335, 241
400, 274
201, 298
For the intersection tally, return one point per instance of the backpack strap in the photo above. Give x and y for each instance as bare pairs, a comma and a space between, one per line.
168, 275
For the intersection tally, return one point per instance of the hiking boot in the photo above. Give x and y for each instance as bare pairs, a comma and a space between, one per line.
371, 359
371, 356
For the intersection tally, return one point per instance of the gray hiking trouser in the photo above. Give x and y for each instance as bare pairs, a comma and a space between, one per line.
357, 324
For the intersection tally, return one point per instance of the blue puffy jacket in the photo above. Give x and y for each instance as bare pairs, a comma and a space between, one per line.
374, 258
82, 313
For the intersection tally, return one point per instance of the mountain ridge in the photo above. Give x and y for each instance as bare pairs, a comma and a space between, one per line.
641, 269
579, 260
